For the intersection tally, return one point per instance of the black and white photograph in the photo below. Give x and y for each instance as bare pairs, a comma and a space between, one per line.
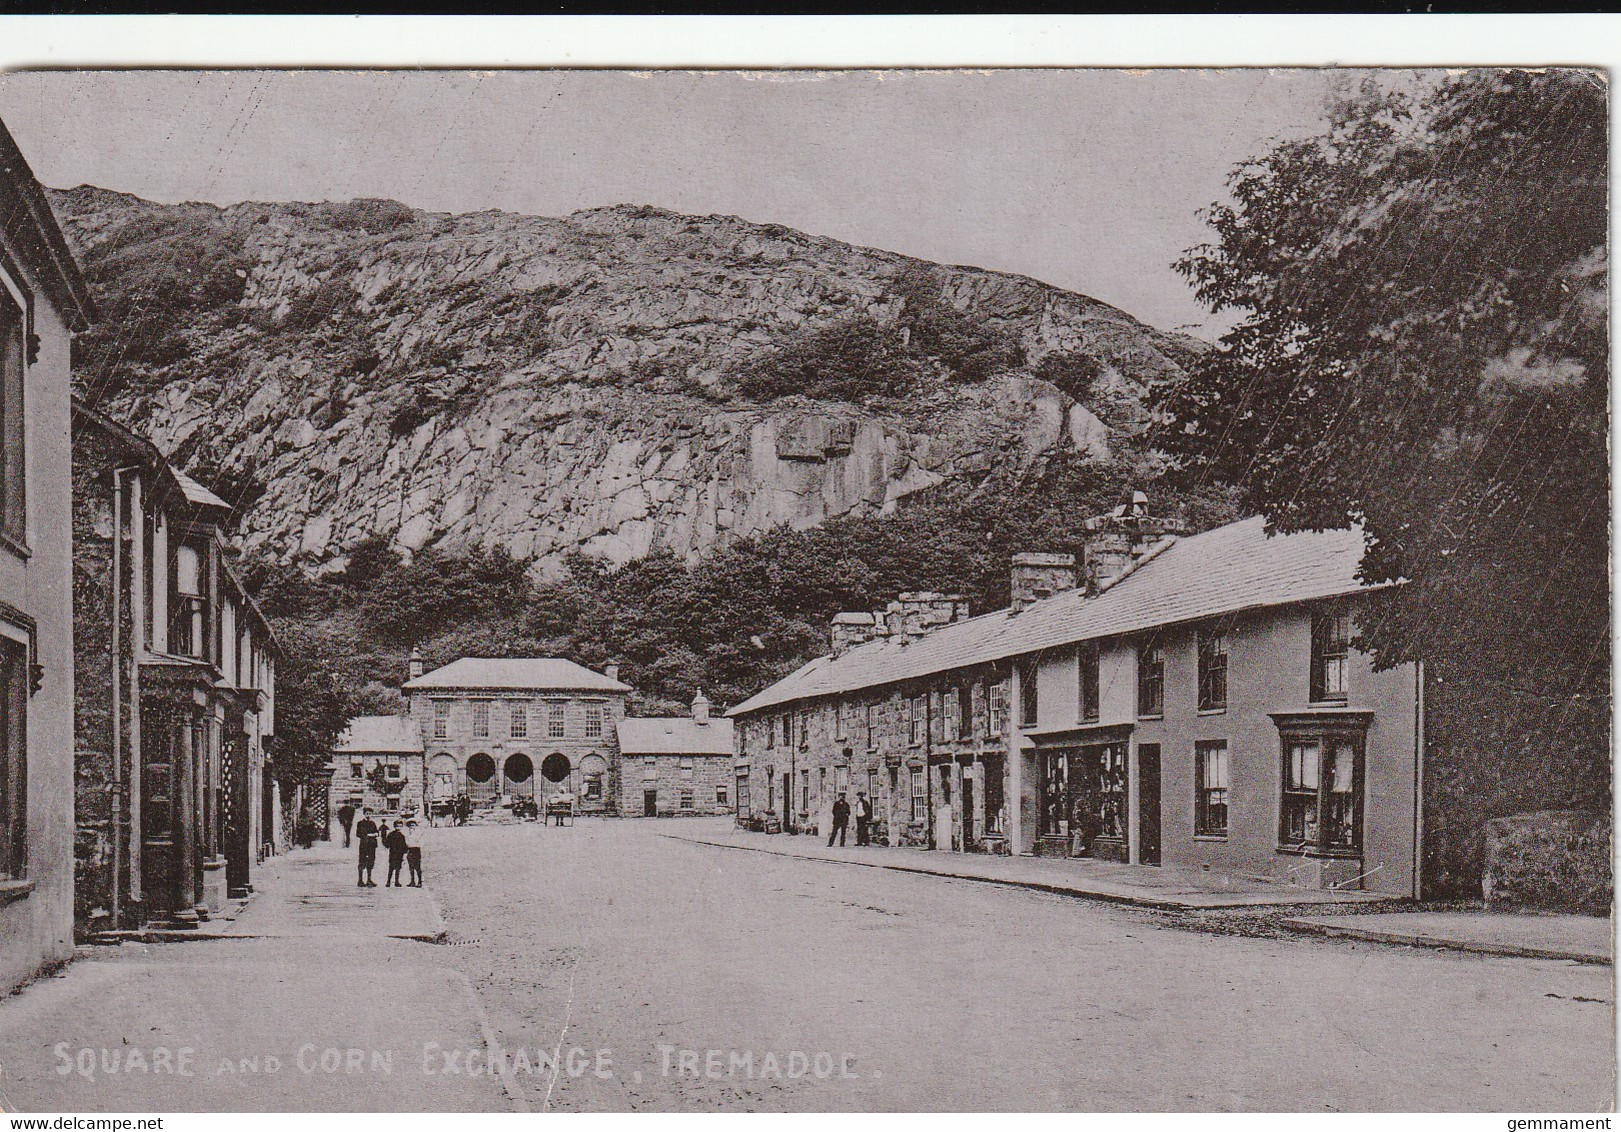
876, 589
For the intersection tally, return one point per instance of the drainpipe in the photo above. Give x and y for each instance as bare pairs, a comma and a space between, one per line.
138, 647
116, 657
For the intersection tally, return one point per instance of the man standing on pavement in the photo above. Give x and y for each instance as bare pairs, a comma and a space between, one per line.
841, 821
863, 817
346, 818
366, 831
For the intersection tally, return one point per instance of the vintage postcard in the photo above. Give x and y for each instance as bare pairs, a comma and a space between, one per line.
897, 589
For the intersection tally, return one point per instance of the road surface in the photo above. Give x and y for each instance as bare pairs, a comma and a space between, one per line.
913, 992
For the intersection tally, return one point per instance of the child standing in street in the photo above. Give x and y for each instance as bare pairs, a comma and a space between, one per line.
394, 842
413, 855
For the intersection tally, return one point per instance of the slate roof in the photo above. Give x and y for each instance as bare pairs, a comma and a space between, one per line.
545, 674
675, 736
380, 733
1226, 570
197, 494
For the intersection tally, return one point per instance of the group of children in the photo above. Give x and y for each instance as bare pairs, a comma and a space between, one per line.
403, 851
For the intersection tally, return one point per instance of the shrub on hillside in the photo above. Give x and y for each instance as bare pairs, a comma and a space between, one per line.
367, 214
970, 349
149, 279
854, 358
1073, 372
313, 307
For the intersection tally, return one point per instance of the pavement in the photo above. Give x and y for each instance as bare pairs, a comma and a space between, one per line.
1162, 887
1582, 939
317, 996
314, 889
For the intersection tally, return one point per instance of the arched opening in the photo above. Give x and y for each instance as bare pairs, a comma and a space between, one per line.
593, 776
518, 776
442, 777
481, 784
555, 768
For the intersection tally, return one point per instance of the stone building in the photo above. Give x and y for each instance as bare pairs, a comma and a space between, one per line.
43, 303
678, 766
176, 798
378, 762
1194, 701
517, 728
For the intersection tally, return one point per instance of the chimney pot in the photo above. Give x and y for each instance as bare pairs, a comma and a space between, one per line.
413, 667
700, 709
1117, 539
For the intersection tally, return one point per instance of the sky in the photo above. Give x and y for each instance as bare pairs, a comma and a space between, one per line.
1087, 179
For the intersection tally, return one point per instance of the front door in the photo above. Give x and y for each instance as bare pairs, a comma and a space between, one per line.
787, 803
234, 788
650, 803
967, 813
161, 798
1148, 803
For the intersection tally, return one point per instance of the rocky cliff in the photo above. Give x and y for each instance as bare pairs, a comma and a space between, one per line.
616, 380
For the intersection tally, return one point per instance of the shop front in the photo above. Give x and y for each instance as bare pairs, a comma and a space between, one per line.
1082, 794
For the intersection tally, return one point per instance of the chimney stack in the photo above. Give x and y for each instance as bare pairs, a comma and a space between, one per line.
918, 613
849, 630
1036, 576
910, 616
700, 709
1116, 540
413, 667
611, 671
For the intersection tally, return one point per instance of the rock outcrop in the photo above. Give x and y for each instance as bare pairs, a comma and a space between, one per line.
557, 385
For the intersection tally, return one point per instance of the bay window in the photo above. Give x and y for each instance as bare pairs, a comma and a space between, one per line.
1321, 806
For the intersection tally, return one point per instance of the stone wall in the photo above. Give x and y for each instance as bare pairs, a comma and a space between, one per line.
93, 587
829, 752
575, 745
663, 773
1556, 860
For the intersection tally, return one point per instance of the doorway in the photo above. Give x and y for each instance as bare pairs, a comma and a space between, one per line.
481, 784
650, 803
1148, 823
968, 811
518, 776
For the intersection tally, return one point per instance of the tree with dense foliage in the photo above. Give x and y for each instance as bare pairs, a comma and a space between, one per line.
1421, 347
